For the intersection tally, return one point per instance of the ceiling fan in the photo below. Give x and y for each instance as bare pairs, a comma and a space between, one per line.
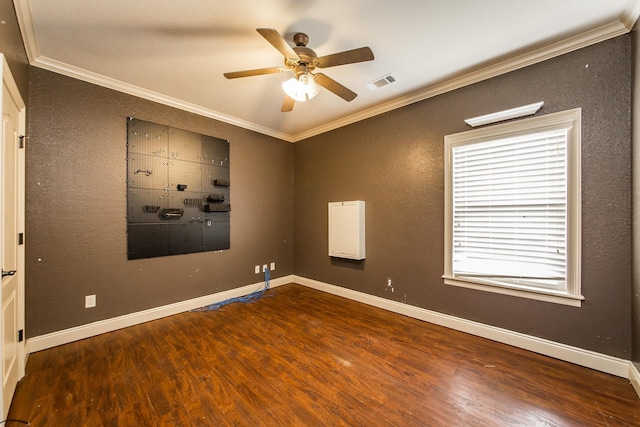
301, 61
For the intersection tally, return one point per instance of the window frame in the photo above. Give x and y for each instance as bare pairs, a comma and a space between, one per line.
569, 120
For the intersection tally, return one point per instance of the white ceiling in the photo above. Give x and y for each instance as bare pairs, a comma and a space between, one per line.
175, 52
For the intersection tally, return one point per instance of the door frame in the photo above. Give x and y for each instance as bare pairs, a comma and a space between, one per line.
14, 92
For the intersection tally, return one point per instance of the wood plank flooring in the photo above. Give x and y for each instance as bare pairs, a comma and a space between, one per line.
300, 357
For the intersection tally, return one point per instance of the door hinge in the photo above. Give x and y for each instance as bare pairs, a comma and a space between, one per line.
20, 238
21, 143
21, 335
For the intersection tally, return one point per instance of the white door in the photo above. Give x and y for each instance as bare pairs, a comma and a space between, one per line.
11, 237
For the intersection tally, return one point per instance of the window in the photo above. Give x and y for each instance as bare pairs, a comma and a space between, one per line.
512, 208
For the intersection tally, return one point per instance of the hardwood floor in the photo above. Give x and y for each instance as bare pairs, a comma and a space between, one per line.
300, 357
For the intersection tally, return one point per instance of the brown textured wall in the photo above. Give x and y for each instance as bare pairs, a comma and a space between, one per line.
395, 163
76, 208
635, 294
12, 47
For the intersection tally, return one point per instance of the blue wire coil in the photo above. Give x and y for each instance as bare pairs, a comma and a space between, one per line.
254, 296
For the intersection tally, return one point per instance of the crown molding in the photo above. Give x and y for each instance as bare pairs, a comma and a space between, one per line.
631, 14
100, 80
28, 31
623, 25
588, 38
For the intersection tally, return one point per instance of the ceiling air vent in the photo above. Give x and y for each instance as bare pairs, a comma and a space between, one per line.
382, 81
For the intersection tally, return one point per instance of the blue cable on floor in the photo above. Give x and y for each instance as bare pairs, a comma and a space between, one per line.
254, 296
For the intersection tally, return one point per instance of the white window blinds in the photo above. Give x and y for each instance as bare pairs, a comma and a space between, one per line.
513, 208
510, 208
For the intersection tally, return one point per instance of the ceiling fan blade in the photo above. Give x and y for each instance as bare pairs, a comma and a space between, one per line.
347, 57
335, 87
256, 72
287, 104
278, 42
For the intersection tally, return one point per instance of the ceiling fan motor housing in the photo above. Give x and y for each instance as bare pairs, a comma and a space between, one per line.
306, 57
301, 39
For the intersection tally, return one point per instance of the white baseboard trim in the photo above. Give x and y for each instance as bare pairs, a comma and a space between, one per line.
634, 377
582, 357
66, 336
600, 362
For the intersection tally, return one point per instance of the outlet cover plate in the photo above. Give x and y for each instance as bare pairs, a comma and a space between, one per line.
89, 301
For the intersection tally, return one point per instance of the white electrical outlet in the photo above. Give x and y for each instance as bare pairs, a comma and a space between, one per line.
89, 301
257, 269
273, 266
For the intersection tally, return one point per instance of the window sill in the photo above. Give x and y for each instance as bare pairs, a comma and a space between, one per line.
539, 295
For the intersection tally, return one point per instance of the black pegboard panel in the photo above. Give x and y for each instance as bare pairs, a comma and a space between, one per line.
178, 191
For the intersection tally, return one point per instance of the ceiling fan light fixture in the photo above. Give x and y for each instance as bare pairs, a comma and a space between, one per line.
302, 88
